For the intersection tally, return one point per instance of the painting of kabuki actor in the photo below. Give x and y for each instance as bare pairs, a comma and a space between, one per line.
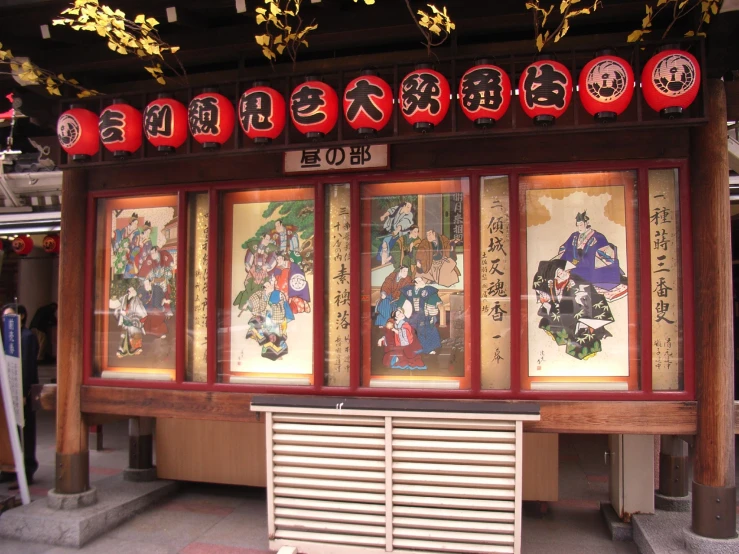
271, 274
142, 287
578, 313
417, 285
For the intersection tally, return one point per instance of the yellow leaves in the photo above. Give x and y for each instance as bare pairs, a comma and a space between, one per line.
262, 40
174, 49
568, 10
112, 45
635, 36
152, 22
539, 42
438, 22
141, 18
678, 9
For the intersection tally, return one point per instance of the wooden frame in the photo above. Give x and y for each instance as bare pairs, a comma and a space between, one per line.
516, 391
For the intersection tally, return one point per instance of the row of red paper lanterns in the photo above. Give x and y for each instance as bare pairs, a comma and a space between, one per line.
670, 83
23, 244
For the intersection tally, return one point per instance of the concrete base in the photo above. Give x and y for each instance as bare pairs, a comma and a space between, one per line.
57, 501
287, 550
696, 544
672, 503
619, 530
140, 475
118, 500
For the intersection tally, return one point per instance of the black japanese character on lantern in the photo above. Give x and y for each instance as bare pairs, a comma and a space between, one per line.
361, 100
545, 86
204, 116
158, 120
256, 111
306, 106
421, 92
112, 126
482, 88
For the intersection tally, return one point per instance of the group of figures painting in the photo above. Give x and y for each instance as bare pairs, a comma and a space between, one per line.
142, 284
413, 264
276, 260
575, 290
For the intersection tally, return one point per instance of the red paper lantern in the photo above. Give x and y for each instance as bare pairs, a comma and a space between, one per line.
120, 127
22, 245
545, 91
606, 87
424, 98
51, 244
165, 124
484, 94
670, 82
262, 113
314, 108
368, 103
77, 132
211, 117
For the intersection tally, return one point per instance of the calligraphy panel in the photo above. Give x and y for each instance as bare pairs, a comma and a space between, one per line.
338, 231
579, 281
414, 281
666, 316
266, 314
495, 300
135, 292
197, 288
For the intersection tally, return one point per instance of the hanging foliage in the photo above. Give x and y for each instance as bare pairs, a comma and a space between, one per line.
680, 9
31, 74
138, 37
284, 29
568, 9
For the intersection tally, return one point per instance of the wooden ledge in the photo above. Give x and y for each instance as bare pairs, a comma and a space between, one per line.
633, 417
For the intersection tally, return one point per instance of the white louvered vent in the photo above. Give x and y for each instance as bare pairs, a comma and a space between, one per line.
404, 482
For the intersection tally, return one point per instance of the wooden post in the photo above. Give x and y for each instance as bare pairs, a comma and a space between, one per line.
140, 443
714, 489
673, 467
72, 456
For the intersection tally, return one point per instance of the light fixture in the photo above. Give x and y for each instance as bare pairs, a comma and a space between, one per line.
240, 6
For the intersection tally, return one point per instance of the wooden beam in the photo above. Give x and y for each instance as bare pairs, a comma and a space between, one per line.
732, 100
72, 457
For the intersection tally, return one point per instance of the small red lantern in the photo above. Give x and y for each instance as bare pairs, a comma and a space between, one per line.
120, 128
22, 245
77, 132
606, 86
212, 118
545, 91
484, 94
51, 244
670, 82
424, 98
262, 113
314, 108
368, 103
165, 123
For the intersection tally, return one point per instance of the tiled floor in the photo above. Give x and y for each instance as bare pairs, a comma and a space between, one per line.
214, 519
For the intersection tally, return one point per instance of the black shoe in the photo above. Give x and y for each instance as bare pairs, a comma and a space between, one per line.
7, 477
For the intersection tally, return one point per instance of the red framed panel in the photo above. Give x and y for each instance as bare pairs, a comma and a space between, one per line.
516, 391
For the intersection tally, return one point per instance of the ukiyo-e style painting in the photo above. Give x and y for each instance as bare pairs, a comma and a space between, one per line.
577, 278
270, 301
141, 293
417, 282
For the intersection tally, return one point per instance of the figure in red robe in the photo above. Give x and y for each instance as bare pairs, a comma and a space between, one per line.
401, 344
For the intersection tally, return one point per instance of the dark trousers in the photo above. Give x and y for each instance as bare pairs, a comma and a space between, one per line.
29, 442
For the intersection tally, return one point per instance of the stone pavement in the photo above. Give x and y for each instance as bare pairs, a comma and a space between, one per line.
217, 519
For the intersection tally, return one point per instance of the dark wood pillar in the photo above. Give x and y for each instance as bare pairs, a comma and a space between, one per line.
714, 489
140, 443
673, 467
72, 456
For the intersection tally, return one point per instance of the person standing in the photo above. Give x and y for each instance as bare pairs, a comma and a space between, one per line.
29, 370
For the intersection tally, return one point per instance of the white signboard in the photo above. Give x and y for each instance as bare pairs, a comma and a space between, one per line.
337, 158
12, 343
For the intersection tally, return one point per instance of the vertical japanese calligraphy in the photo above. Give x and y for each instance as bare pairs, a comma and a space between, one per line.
197, 290
667, 362
495, 301
338, 338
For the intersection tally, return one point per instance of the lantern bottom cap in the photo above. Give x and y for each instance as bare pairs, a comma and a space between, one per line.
423, 126
211, 145
80, 157
166, 149
605, 117
314, 135
121, 154
262, 140
672, 112
544, 120
367, 131
484, 122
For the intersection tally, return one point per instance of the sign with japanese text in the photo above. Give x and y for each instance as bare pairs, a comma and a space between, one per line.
12, 343
337, 158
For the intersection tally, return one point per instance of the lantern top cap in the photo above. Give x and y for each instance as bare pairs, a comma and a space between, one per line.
606, 52
670, 46
368, 72
423, 65
544, 58
309, 78
210, 89
118, 101
163, 96
260, 83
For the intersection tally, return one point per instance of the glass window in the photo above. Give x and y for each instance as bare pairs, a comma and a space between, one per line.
338, 281
196, 369
495, 284
266, 316
579, 281
415, 312
135, 293
666, 316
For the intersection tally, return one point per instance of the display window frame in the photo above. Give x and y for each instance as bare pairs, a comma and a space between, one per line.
320, 183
